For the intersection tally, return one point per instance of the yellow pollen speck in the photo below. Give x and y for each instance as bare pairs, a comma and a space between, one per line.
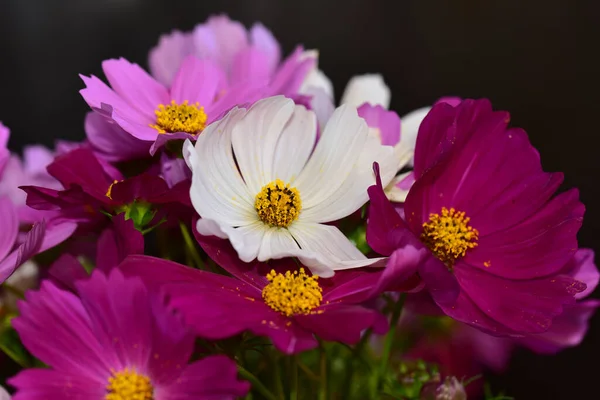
277, 204
292, 293
487, 264
449, 236
129, 385
184, 117
109, 191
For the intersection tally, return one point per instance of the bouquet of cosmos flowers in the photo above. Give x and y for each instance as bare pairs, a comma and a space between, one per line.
225, 231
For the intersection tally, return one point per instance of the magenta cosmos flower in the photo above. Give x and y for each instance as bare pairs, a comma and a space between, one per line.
482, 205
289, 305
243, 55
90, 192
112, 340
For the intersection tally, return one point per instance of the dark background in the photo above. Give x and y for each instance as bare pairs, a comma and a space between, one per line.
533, 58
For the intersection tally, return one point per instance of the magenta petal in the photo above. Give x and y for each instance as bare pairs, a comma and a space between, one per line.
140, 187
162, 139
212, 378
155, 271
439, 282
174, 170
135, 85
47, 384
81, 167
250, 64
165, 59
386, 122
10, 226
518, 306
74, 348
383, 219
220, 39
326, 325
66, 270
261, 38
567, 330
31, 246
117, 242
582, 268
112, 141
115, 316
197, 81
292, 73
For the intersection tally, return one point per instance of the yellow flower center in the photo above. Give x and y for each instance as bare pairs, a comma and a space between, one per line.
129, 385
449, 235
278, 204
183, 117
292, 293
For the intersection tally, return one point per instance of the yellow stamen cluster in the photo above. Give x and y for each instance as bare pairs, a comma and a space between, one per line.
449, 235
277, 204
129, 385
183, 117
292, 293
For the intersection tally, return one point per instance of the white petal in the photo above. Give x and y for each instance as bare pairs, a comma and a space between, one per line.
245, 240
316, 79
295, 144
334, 157
409, 128
277, 243
345, 190
325, 249
218, 191
368, 88
255, 137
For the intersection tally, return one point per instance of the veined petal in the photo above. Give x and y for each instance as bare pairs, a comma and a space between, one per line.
255, 137
352, 193
164, 59
336, 154
295, 144
246, 240
10, 226
262, 39
135, 85
368, 88
220, 39
218, 191
315, 80
277, 243
197, 81
324, 249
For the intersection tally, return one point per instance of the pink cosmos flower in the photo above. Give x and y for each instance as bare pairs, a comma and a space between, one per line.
15, 247
112, 339
255, 298
244, 55
482, 205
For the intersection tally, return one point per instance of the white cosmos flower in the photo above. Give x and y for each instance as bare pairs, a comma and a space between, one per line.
259, 180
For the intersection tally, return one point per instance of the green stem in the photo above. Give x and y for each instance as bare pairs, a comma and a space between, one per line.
294, 383
389, 340
191, 246
277, 374
357, 353
323, 390
256, 383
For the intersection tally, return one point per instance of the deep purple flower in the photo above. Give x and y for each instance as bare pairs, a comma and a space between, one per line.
113, 340
255, 299
482, 205
90, 191
243, 55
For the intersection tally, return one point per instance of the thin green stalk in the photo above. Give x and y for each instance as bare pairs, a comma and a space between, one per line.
389, 341
256, 383
324, 388
294, 383
356, 354
191, 246
276, 375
